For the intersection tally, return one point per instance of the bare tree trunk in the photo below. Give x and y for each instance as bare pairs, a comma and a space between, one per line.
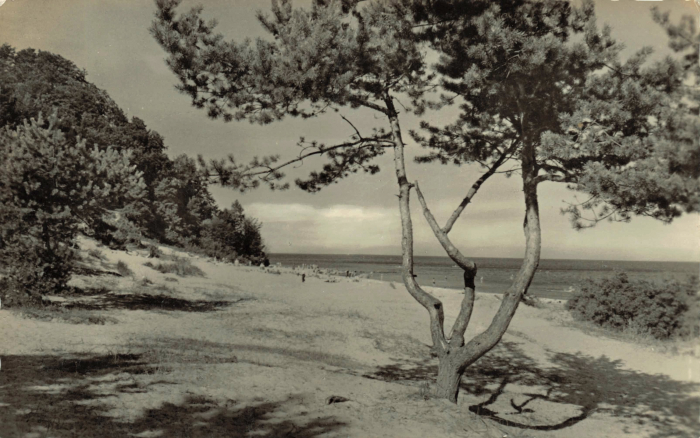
431, 304
449, 376
453, 354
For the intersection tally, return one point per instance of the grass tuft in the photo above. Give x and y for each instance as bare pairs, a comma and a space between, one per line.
123, 269
66, 315
179, 266
96, 253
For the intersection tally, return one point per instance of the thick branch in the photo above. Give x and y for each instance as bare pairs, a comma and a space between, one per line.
451, 250
465, 312
431, 304
469, 267
475, 187
483, 342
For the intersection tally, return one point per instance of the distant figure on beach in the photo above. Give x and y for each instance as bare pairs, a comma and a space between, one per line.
303, 278
347, 273
433, 282
481, 279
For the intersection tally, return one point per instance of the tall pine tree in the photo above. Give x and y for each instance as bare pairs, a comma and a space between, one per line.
541, 90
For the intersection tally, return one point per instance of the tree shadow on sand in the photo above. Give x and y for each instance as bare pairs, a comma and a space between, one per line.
142, 301
565, 392
62, 396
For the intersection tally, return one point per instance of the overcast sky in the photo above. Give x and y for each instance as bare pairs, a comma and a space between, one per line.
110, 39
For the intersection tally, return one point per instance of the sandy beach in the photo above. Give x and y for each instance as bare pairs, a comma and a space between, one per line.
249, 352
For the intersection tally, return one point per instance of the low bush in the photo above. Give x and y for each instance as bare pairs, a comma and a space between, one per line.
33, 272
154, 252
661, 309
123, 269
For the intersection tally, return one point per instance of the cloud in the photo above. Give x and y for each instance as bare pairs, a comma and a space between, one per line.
336, 228
344, 228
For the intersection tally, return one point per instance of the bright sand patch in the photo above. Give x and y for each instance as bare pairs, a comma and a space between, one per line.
242, 352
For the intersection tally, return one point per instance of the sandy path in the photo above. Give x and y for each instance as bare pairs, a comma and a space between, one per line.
265, 364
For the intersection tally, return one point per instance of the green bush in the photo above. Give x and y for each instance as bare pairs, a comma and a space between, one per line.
660, 309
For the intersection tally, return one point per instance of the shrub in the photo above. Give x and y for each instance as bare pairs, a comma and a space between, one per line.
123, 269
660, 309
154, 252
33, 273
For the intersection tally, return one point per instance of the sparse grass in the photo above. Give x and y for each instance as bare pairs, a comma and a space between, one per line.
66, 315
164, 354
673, 346
123, 269
425, 392
179, 266
96, 253
396, 344
349, 314
306, 337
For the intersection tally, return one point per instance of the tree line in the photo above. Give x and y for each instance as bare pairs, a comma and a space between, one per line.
72, 162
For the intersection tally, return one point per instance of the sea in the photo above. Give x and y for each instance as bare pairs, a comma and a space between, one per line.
555, 278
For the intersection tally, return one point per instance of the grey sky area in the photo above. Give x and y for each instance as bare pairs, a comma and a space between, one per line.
110, 39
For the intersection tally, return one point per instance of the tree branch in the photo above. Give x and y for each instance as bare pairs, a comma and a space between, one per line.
475, 187
469, 267
369, 104
382, 140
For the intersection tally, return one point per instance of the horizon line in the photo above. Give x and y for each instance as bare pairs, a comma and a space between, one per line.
513, 258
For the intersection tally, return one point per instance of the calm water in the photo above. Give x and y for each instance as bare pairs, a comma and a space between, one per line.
553, 279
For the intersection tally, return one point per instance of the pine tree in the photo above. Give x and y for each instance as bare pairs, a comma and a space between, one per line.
534, 100
50, 189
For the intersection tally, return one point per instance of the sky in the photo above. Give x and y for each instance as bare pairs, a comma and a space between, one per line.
359, 215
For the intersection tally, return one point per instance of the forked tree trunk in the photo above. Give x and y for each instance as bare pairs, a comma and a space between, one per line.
453, 354
449, 377
452, 364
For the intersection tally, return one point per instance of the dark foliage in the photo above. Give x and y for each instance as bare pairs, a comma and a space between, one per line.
50, 188
176, 198
657, 308
86, 169
231, 235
